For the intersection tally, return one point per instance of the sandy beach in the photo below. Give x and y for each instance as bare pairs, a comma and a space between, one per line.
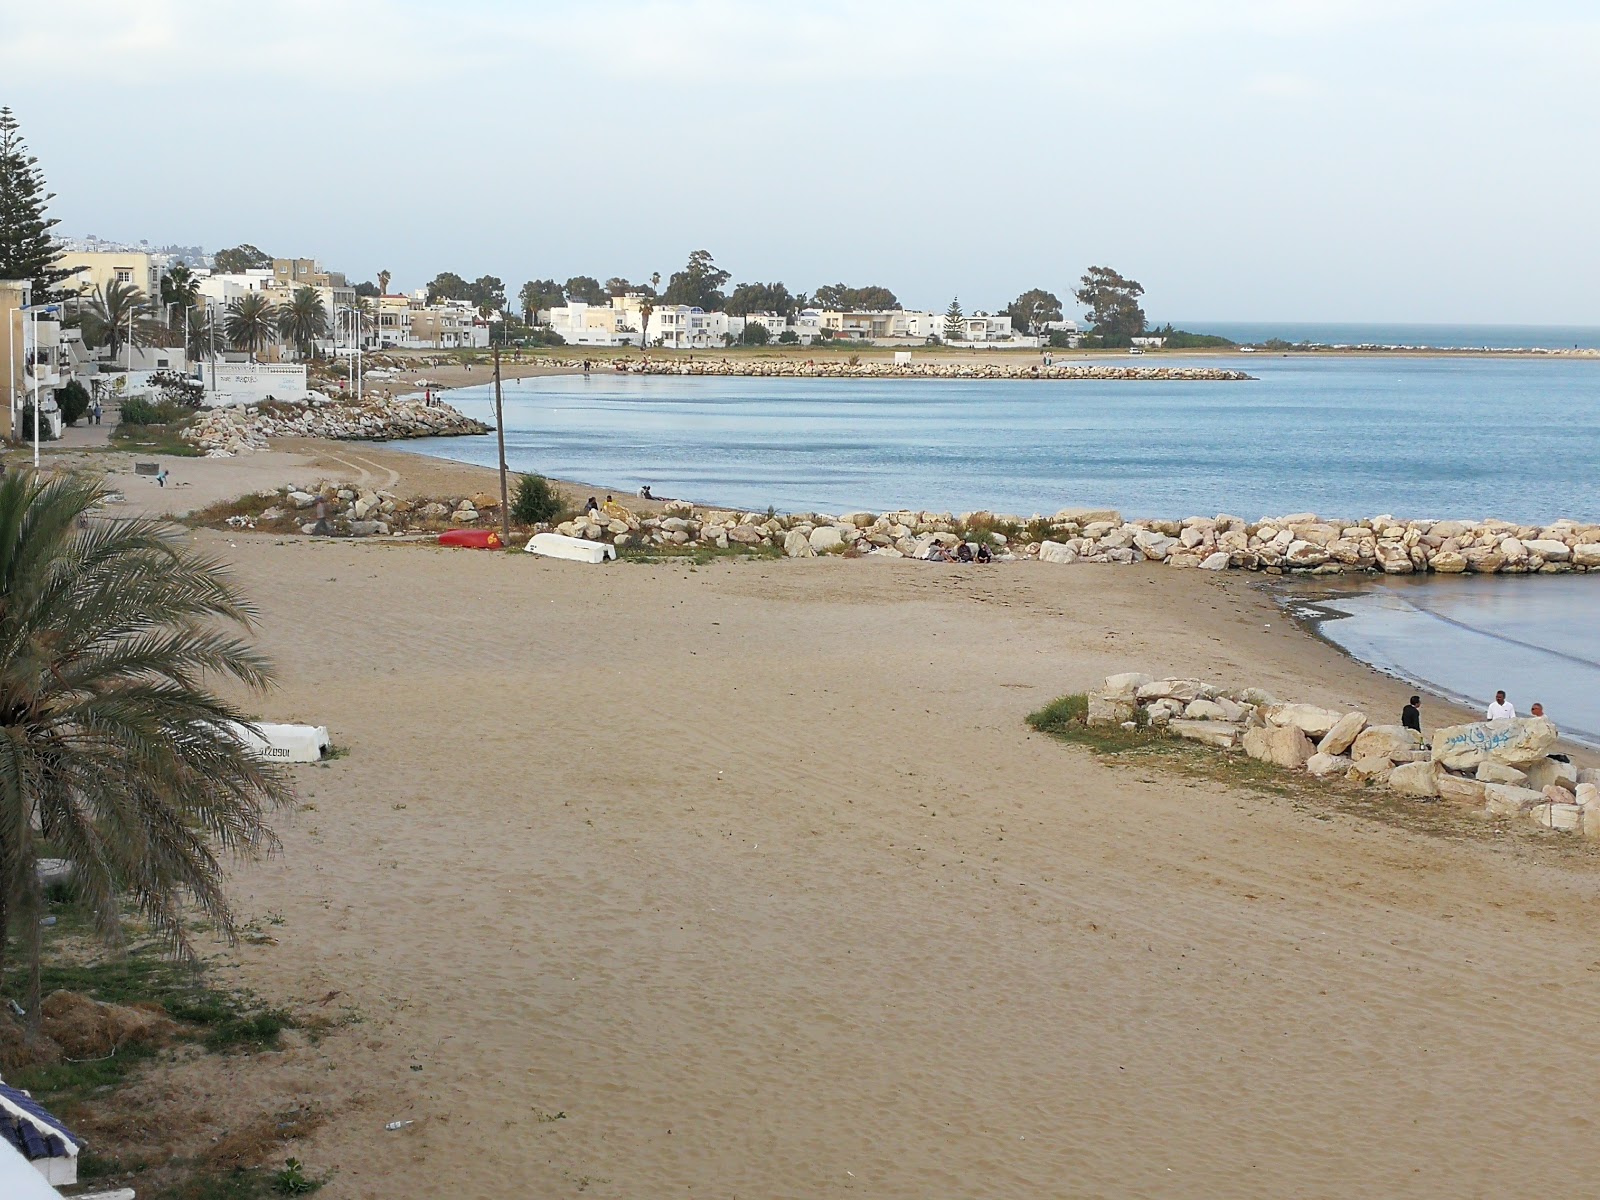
748, 879
757, 876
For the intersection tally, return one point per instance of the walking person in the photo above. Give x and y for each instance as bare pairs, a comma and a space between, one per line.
1501, 709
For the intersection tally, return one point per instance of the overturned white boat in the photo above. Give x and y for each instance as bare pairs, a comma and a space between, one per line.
284, 743
559, 545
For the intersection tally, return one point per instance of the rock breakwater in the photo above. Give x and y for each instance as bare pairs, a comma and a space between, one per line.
227, 431
831, 369
1502, 768
1301, 543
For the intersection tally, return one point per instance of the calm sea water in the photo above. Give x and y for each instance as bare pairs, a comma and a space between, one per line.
1341, 436
1535, 637
1475, 337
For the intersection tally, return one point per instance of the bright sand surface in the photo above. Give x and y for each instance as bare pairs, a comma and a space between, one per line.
755, 872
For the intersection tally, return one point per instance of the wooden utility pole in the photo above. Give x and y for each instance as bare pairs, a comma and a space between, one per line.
500, 437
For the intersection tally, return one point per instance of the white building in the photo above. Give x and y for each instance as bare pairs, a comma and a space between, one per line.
250, 383
682, 327
583, 324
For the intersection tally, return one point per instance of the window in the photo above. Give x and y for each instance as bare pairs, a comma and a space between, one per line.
124, 275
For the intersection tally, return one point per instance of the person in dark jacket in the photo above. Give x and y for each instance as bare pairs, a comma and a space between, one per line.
1411, 714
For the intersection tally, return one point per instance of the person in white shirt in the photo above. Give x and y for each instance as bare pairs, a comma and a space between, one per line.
1500, 710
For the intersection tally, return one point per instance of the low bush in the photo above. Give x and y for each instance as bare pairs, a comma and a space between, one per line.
536, 502
139, 411
73, 401
179, 389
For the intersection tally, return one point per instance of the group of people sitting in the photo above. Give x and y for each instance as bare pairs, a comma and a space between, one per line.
964, 553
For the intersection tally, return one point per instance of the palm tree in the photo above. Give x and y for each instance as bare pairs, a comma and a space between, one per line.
179, 286
251, 323
114, 750
107, 316
201, 319
303, 320
383, 282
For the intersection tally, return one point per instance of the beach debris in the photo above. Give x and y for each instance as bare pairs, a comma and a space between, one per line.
393, 1126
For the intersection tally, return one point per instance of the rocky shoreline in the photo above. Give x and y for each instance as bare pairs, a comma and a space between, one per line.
1504, 768
1300, 544
223, 432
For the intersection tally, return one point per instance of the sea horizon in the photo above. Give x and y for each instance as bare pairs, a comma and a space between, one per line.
1422, 334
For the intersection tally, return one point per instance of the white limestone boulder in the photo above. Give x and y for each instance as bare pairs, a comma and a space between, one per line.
1459, 788
797, 545
1343, 733
1384, 741
1289, 747
1493, 772
1414, 779
1325, 766
1126, 685
1057, 552
1508, 800
1308, 718
1517, 743
1548, 771
1108, 710
1212, 733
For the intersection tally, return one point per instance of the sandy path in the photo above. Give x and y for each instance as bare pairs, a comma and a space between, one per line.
755, 873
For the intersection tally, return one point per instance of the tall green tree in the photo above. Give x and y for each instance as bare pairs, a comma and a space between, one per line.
488, 293
955, 329
114, 315
837, 297
1032, 309
698, 284
617, 287
251, 323
447, 285
586, 288
237, 259
116, 752
1112, 303
537, 295
367, 289
760, 297
27, 248
303, 321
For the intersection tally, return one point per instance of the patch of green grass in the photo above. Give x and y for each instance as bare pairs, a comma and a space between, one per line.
154, 439
256, 1031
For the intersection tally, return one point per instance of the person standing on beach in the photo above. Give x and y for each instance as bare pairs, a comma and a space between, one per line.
1500, 710
1411, 715
1537, 710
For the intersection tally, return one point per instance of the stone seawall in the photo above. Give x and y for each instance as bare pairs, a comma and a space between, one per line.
226, 431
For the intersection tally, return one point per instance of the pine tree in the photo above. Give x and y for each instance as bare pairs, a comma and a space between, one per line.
27, 250
955, 326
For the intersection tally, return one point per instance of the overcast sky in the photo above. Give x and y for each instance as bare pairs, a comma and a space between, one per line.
1251, 160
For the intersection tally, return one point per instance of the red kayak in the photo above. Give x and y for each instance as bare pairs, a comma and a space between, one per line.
471, 539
